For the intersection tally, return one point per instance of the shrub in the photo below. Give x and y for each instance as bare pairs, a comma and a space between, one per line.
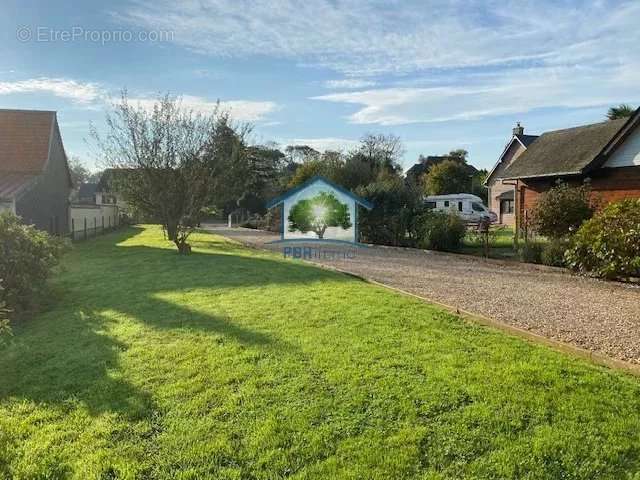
560, 211
394, 206
27, 256
553, 253
608, 245
4, 315
531, 252
440, 231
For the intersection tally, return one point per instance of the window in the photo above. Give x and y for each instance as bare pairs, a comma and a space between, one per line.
459, 206
506, 206
430, 205
477, 207
446, 203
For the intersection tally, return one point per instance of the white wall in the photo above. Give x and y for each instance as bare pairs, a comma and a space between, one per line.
628, 154
92, 213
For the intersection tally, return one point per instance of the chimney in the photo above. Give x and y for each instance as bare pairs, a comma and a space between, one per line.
518, 129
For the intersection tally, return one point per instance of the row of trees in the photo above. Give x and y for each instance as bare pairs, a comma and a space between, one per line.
181, 164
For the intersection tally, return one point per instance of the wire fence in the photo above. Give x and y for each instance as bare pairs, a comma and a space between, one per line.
85, 228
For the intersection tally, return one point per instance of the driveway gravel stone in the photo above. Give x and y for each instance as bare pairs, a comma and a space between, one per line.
600, 316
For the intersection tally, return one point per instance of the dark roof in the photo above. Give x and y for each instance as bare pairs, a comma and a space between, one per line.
87, 190
12, 184
317, 178
508, 195
526, 140
563, 152
25, 136
498, 168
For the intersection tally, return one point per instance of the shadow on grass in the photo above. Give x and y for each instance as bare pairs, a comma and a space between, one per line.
68, 358
67, 354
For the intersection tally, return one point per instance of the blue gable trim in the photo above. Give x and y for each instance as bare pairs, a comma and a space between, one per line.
359, 200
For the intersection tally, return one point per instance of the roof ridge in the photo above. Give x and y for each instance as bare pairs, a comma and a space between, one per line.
27, 110
596, 124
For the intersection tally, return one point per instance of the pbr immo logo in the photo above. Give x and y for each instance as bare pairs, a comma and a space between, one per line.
317, 212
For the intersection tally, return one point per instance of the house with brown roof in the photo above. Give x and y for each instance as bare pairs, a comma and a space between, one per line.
501, 195
605, 155
35, 183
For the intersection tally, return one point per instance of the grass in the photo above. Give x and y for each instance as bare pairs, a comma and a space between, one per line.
237, 364
501, 244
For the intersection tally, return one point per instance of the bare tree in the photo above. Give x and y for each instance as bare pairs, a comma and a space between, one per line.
386, 151
170, 158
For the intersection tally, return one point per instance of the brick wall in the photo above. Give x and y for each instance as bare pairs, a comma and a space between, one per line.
607, 185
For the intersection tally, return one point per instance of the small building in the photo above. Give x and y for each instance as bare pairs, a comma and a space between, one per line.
35, 182
605, 155
501, 195
86, 194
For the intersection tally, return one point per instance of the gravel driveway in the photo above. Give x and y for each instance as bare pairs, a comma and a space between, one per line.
602, 317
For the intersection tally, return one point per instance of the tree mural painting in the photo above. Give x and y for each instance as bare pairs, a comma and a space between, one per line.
317, 213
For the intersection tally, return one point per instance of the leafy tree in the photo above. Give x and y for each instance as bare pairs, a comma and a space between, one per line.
561, 210
317, 213
176, 160
328, 165
623, 110
460, 153
300, 153
417, 173
447, 177
395, 206
356, 172
252, 202
79, 173
477, 185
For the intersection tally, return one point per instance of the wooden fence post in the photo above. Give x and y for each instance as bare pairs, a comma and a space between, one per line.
85, 228
73, 229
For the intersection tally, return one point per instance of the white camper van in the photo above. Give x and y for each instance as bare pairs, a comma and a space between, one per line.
469, 207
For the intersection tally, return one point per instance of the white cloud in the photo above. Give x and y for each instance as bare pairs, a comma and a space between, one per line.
500, 93
349, 83
93, 95
324, 144
241, 110
77, 92
360, 38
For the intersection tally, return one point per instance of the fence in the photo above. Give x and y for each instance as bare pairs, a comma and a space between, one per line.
91, 220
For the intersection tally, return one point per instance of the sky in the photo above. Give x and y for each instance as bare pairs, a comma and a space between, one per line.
439, 74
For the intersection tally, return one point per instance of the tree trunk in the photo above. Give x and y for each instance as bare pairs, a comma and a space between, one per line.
172, 231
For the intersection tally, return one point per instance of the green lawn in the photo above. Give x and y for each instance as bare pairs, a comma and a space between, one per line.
501, 244
232, 363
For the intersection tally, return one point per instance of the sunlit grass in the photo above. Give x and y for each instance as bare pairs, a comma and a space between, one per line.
234, 363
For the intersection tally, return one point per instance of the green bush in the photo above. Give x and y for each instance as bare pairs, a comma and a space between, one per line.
608, 245
440, 231
531, 252
553, 253
560, 211
4, 315
27, 256
395, 204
